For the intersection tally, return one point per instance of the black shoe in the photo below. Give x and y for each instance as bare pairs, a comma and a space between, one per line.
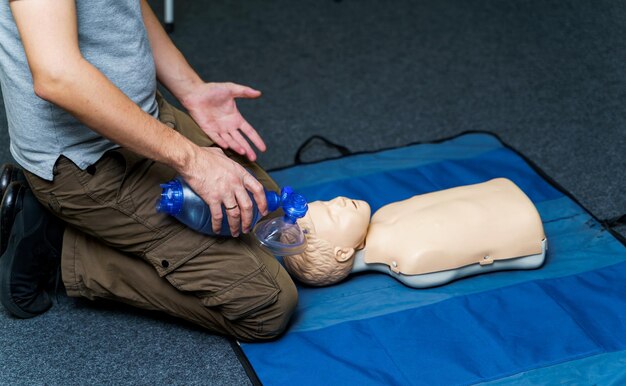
8, 174
32, 256
8, 209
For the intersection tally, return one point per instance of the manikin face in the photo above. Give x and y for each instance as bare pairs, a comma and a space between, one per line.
341, 221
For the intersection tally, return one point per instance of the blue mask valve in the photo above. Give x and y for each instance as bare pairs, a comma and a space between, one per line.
295, 207
273, 200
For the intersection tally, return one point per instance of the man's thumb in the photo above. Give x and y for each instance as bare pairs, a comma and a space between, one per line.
245, 91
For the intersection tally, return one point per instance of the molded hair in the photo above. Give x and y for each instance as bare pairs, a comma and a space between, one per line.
318, 265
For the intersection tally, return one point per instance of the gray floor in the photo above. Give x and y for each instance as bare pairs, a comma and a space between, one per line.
547, 76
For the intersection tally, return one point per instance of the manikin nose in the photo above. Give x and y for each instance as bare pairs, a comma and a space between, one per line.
338, 201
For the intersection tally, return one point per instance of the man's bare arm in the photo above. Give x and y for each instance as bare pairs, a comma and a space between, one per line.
61, 75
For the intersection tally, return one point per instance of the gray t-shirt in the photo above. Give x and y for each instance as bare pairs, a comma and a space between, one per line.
112, 37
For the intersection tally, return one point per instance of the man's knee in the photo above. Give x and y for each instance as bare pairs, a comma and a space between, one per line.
243, 283
270, 321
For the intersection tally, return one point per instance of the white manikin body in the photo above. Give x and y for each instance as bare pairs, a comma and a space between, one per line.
433, 279
427, 240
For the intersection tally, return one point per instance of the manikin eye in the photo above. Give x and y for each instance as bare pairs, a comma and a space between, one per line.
354, 203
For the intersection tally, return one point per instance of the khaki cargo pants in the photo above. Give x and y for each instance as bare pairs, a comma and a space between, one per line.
117, 247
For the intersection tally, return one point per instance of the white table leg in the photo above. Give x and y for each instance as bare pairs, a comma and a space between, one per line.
169, 15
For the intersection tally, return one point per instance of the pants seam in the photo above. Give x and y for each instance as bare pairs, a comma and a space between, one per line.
75, 286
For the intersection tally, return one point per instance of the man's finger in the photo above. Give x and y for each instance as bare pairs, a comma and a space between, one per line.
242, 141
233, 213
245, 206
216, 216
233, 144
254, 137
255, 187
217, 138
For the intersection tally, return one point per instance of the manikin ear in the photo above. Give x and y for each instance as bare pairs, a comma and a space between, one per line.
343, 254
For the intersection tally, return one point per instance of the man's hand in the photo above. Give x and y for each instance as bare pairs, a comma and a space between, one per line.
225, 183
213, 107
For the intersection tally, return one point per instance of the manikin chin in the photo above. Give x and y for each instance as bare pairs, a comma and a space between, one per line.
427, 240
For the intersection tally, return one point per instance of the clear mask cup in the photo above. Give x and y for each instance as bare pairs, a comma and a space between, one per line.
282, 235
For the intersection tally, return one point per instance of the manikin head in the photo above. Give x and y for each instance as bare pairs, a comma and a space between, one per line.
334, 230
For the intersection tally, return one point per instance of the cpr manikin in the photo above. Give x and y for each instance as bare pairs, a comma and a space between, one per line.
427, 240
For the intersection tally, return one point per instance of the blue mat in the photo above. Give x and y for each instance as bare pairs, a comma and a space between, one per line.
563, 322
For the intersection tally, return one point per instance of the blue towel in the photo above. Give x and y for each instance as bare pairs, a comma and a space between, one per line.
563, 322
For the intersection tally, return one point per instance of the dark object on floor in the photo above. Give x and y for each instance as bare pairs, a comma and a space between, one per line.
32, 256
8, 174
8, 209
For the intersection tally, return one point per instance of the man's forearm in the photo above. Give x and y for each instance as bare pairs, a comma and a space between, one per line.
87, 94
173, 70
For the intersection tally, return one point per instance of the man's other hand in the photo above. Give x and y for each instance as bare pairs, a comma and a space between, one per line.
213, 107
218, 180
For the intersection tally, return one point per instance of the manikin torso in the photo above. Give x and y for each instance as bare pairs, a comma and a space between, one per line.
433, 238
455, 227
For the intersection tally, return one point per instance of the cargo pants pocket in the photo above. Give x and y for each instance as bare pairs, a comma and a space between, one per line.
114, 175
230, 276
242, 299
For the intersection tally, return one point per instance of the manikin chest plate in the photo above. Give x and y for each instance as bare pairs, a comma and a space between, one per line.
454, 228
